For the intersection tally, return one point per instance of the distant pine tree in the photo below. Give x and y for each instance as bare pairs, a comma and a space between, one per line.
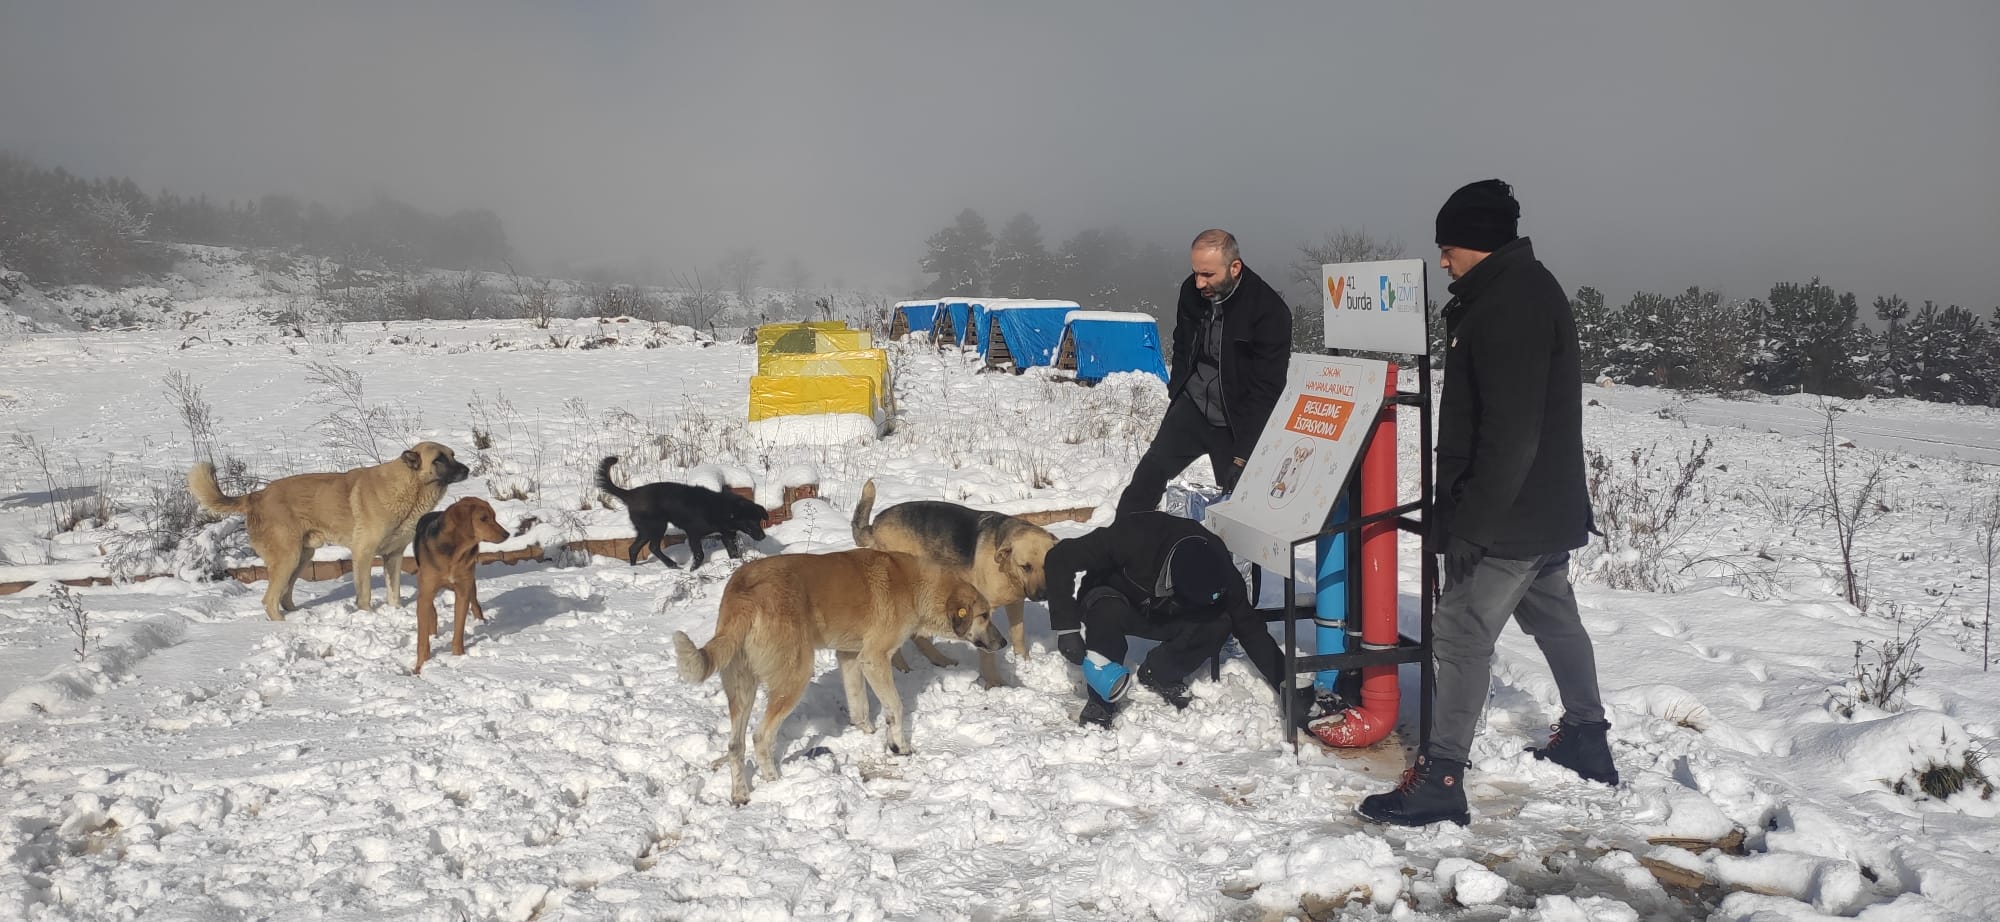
1021, 263
960, 256
1596, 325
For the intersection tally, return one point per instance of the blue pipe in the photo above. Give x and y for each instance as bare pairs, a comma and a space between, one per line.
1330, 597
1110, 680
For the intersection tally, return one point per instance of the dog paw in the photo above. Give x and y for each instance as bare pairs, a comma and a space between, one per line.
867, 727
899, 749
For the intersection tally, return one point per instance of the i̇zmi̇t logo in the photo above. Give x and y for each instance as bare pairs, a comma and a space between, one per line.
1390, 293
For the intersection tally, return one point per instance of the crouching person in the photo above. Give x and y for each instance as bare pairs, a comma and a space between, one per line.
1160, 577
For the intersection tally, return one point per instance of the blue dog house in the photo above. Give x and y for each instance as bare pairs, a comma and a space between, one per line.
913, 317
1021, 334
1099, 343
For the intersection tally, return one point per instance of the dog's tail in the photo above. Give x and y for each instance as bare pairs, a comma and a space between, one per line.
864, 533
201, 482
698, 663
732, 628
604, 481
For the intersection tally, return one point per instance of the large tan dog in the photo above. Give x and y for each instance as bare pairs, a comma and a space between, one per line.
371, 511
1000, 555
862, 603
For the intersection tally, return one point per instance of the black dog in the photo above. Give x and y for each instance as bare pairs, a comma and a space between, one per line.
696, 511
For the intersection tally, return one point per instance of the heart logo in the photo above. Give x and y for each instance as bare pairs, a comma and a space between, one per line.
1334, 286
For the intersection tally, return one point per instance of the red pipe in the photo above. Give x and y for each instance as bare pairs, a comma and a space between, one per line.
1380, 696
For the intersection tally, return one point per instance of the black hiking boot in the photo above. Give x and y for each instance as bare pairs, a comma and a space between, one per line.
1097, 712
1174, 691
1307, 705
1432, 790
1581, 748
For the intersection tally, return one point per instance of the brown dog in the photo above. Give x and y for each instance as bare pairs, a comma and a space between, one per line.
447, 547
372, 511
1000, 555
862, 603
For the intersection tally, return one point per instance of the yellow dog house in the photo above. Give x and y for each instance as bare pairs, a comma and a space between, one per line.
819, 381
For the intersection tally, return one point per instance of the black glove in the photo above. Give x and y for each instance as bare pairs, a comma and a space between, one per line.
1460, 558
1230, 474
1070, 645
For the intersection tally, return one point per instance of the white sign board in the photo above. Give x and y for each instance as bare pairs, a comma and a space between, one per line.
1302, 458
1375, 307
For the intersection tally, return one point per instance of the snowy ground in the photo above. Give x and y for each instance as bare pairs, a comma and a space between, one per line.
203, 763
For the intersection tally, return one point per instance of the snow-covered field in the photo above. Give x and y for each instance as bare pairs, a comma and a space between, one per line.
201, 762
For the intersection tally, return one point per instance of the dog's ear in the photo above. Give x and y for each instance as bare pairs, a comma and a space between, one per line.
1012, 559
414, 460
963, 601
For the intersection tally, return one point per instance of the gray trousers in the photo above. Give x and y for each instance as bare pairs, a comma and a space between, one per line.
1468, 621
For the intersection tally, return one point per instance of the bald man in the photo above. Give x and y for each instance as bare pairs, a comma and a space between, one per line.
1232, 347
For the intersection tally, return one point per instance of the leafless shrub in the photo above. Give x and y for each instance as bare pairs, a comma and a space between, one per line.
73, 501
699, 434
1884, 671
698, 303
534, 299
1646, 509
1851, 503
355, 429
610, 301
74, 616
196, 413
166, 521
1988, 523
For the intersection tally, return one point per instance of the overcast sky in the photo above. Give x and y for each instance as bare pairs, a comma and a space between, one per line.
1653, 145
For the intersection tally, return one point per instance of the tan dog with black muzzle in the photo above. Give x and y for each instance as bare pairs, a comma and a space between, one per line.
864, 604
371, 511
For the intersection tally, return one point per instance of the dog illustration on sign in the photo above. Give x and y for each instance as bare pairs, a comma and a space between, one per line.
1291, 472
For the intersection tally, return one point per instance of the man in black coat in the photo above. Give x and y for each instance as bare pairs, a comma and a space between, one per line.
1161, 577
1511, 502
1232, 347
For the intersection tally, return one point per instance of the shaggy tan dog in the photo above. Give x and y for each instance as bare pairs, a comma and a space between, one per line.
371, 511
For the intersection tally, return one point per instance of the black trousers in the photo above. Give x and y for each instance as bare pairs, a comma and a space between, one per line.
1109, 618
1185, 434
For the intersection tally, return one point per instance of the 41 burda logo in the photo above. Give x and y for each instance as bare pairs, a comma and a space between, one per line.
1347, 296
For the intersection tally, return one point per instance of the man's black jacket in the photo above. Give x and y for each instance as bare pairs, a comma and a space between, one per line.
1256, 352
1510, 475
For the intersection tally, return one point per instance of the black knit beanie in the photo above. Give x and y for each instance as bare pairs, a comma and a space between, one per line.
1480, 216
1200, 573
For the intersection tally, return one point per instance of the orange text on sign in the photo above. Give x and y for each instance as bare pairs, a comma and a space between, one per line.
1318, 416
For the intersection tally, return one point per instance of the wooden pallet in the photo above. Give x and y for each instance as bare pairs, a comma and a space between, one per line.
997, 353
